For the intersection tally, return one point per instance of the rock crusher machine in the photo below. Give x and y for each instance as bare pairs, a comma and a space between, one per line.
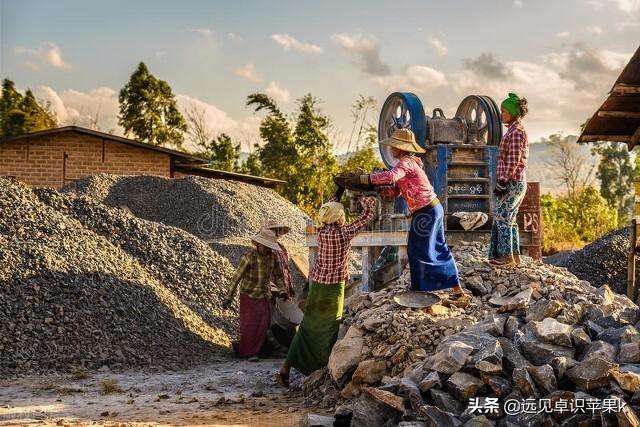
460, 161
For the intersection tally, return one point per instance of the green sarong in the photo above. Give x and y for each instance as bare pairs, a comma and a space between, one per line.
312, 344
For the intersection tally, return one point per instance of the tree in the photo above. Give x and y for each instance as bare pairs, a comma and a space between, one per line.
567, 164
149, 111
197, 128
223, 153
20, 114
359, 110
251, 165
365, 159
616, 174
297, 151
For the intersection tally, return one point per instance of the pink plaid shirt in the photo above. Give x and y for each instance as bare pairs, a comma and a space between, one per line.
334, 245
407, 178
513, 154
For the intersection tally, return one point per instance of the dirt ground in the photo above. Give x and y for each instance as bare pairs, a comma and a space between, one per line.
225, 393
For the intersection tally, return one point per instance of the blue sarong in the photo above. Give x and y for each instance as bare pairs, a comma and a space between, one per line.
505, 239
432, 265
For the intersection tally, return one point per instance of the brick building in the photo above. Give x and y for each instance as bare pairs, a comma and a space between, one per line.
53, 157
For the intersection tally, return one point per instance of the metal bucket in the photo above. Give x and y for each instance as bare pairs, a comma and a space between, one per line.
286, 314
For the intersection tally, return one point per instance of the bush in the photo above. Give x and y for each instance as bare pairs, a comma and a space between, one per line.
570, 222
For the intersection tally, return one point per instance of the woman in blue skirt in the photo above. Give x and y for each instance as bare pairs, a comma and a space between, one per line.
430, 261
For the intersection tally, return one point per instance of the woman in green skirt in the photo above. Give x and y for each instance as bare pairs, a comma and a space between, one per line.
312, 344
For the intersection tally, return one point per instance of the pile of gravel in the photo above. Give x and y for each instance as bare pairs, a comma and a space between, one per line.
212, 209
602, 262
84, 284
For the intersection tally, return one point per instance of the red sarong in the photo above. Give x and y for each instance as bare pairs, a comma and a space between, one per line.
255, 317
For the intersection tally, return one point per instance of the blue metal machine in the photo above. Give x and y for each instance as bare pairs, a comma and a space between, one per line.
461, 153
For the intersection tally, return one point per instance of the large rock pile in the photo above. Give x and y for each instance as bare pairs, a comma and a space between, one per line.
84, 284
602, 262
543, 334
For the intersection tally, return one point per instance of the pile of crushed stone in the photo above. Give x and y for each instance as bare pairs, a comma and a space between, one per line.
83, 284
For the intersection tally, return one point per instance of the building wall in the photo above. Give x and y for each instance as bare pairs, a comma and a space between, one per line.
54, 160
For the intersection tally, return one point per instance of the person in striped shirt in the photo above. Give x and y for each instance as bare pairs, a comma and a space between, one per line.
511, 185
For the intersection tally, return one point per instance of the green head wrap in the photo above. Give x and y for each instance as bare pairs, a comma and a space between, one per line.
512, 105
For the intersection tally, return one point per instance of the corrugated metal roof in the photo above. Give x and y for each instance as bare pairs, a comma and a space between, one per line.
618, 119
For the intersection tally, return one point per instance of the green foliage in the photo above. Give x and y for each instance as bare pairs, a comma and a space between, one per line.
616, 174
297, 151
149, 111
20, 114
571, 221
223, 153
365, 159
251, 165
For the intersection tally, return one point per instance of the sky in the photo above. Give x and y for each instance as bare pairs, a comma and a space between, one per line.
562, 55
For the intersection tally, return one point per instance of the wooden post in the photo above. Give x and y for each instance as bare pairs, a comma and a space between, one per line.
631, 265
366, 269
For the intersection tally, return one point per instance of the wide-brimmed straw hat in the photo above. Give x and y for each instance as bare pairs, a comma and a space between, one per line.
267, 238
273, 225
405, 140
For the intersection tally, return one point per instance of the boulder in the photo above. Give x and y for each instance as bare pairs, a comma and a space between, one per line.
489, 359
601, 349
511, 326
437, 417
445, 401
313, 420
628, 376
542, 309
551, 331
507, 304
429, 381
580, 338
479, 421
512, 358
629, 353
369, 371
560, 365
476, 285
591, 373
617, 336
409, 390
501, 387
544, 377
344, 358
525, 383
464, 386
450, 357
540, 353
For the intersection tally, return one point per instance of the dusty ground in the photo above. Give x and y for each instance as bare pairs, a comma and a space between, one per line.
228, 393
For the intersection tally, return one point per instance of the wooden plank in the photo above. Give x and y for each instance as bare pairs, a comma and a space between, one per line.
302, 264
611, 138
623, 89
620, 114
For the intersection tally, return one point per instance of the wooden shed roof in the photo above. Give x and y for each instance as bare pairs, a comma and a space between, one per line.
618, 118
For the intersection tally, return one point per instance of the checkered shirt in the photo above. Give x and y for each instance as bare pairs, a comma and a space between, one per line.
334, 245
254, 273
512, 154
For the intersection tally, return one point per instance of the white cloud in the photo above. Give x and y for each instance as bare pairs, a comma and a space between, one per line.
564, 34
278, 93
160, 54
204, 32
416, 78
628, 6
248, 72
518, 3
288, 42
438, 45
596, 30
364, 50
48, 53
235, 37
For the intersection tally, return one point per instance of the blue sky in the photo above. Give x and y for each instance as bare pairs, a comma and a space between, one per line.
562, 55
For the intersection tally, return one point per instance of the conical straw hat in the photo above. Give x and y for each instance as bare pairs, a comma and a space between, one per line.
403, 139
273, 225
267, 238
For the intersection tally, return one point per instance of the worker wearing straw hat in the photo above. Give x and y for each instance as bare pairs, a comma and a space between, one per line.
430, 261
282, 255
256, 270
